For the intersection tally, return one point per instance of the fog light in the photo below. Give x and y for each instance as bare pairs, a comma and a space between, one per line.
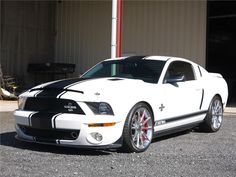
97, 136
74, 135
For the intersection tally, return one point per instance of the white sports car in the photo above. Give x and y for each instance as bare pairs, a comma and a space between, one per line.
123, 102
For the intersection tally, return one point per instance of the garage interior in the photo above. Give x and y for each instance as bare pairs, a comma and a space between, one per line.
79, 33
221, 42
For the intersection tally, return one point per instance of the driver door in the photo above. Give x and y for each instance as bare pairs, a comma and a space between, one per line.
182, 91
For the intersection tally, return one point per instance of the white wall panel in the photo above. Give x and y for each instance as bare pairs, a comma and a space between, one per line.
173, 28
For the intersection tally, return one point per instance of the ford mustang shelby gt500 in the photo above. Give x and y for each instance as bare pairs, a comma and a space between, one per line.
123, 102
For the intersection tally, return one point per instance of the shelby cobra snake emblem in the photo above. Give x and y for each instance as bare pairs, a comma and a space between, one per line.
70, 107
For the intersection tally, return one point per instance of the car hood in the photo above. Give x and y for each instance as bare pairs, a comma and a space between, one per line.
93, 87
107, 85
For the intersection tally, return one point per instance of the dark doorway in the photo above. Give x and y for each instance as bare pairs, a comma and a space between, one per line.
221, 42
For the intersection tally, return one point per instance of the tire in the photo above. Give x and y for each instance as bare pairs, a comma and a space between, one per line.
138, 129
214, 117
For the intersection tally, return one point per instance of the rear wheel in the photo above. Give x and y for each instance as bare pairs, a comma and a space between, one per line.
214, 117
138, 129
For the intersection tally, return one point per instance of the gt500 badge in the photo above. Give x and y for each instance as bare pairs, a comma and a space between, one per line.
160, 122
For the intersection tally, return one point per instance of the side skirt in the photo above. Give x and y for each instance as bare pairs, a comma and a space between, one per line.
175, 129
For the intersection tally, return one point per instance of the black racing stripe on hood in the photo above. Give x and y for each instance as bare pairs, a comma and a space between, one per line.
64, 83
50, 92
57, 88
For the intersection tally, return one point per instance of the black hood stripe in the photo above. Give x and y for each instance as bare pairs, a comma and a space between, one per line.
57, 88
63, 83
54, 89
50, 93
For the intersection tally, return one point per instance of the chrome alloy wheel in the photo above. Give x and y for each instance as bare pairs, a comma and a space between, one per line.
141, 128
217, 114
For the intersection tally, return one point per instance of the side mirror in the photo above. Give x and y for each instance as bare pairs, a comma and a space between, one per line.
175, 78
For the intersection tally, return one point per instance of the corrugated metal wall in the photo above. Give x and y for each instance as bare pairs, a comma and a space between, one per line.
83, 33
79, 32
176, 28
27, 35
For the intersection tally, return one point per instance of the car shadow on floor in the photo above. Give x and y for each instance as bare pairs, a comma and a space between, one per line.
173, 135
8, 139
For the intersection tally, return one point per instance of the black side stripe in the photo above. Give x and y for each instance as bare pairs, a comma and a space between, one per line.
202, 99
185, 116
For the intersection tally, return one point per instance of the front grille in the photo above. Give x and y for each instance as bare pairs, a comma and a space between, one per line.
52, 105
50, 134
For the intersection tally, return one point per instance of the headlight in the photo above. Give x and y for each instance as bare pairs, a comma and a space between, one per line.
21, 102
101, 108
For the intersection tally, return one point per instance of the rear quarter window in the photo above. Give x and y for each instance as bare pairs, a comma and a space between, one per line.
181, 67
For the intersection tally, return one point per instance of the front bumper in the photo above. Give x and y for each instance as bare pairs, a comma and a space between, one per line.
115, 145
69, 130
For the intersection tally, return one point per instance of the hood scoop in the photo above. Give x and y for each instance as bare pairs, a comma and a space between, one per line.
115, 79
51, 89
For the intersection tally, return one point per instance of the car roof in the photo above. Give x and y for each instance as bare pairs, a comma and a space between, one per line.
163, 58
160, 58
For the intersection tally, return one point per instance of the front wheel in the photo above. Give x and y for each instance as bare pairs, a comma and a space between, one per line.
138, 129
214, 117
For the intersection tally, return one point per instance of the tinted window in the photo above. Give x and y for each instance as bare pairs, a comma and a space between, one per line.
146, 70
180, 68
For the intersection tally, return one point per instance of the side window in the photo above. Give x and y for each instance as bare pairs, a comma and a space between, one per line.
180, 68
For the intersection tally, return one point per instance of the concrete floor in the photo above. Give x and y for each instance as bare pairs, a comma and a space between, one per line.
8, 106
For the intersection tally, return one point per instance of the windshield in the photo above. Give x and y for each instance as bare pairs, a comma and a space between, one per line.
146, 70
